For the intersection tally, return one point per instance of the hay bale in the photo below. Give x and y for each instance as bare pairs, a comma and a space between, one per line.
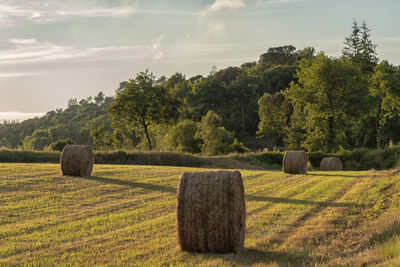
211, 212
331, 164
77, 160
295, 162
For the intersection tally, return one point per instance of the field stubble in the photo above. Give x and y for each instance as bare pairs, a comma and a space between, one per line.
125, 215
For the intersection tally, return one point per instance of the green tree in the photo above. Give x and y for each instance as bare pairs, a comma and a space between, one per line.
101, 132
102, 137
353, 49
60, 144
296, 133
359, 47
182, 137
385, 87
99, 99
216, 139
281, 55
331, 92
231, 93
273, 112
38, 140
142, 103
368, 50
278, 78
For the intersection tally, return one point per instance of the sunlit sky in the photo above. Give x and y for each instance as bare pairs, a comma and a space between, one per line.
51, 51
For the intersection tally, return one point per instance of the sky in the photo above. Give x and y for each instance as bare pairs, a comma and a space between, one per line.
52, 51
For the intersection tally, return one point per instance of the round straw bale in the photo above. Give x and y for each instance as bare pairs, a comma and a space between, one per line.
211, 212
77, 160
295, 162
331, 164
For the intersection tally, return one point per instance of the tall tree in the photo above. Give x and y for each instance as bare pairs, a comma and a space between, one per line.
142, 103
273, 112
331, 94
359, 47
352, 49
368, 50
275, 56
215, 138
385, 87
296, 133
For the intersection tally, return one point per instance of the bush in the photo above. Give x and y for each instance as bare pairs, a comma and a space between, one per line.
60, 144
266, 160
365, 159
356, 160
21, 156
181, 137
316, 157
150, 158
216, 139
112, 157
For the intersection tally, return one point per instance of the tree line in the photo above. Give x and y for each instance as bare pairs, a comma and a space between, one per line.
290, 98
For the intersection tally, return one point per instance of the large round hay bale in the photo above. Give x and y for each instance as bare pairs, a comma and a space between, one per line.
331, 164
295, 162
211, 212
77, 160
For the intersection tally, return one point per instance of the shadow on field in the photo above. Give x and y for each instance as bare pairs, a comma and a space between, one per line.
251, 256
333, 175
302, 202
152, 187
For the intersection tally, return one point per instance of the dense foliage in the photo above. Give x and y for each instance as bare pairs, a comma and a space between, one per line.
293, 99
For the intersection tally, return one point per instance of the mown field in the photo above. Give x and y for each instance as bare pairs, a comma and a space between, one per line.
125, 216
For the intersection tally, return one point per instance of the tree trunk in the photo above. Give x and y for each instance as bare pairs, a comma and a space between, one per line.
146, 132
331, 134
242, 110
377, 127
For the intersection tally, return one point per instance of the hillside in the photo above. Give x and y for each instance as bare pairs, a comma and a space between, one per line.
125, 215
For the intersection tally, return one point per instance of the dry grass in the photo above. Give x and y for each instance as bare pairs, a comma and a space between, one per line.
125, 215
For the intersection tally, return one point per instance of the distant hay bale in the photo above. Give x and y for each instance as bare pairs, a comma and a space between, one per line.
77, 160
211, 212
331, 164
295, 162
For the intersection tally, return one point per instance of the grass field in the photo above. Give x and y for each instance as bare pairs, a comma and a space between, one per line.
125, 215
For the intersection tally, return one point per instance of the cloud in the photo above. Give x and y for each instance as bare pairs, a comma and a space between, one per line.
17, 74
158, 55
44, 12
225, 4
279, 1
157, 42
25, 51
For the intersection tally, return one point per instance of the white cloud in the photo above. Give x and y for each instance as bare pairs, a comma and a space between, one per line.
216, 26
158, 55
279, 1
157, 42
286, 1
17, 74
25, 51
43, 12
23, 41
225, 4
